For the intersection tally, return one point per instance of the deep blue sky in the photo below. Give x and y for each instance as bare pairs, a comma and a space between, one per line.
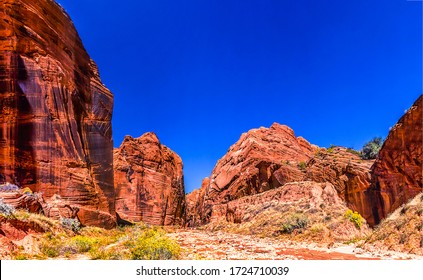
201, 72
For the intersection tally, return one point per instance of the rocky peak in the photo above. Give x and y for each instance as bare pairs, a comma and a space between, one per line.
262, 159
268, 158
148, 182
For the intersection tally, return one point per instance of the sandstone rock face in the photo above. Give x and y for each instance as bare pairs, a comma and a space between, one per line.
194, 204
55, 124
308, 193
397, 172
261, 160
149, 182
348, 173
265, 159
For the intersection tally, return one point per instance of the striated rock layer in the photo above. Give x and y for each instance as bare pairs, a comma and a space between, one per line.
195, 203
397, 172
309, 194
348, 173
261, 160
55, 124
149, 182
268, 158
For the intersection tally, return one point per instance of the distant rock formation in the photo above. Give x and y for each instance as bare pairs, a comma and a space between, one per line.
398, 171
194, 204
149, 182
55, 124
268, 158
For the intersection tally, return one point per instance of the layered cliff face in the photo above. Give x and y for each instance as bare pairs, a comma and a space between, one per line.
195, 203
397, 172
348, 173
261, 160
268, 158
149, 182
55, 124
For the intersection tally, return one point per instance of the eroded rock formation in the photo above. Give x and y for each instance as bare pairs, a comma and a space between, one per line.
348, 173
261, 160
55, 124
195, 203
149, 182
268, 158
397, 172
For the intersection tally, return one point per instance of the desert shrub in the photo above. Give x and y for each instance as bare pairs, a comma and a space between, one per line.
26, 190
293, 222
7, 187
331, 148
302, 165
354, 217
50, 247
6, 209
153, 244
20, 257
72, 224
83, 243
371, 149
403, 238
355, 152
403, 210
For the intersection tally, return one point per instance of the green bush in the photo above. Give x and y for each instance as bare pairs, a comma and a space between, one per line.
72, 224
302, 165
6, 209
293, 222
371, 149
354, 217
153, 244
352, 151
83, 243
331, 148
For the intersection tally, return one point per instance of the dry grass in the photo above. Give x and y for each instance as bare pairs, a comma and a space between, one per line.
324, 224
56, 241
403, 230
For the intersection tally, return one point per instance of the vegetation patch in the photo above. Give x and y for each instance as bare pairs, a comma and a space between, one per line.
371, 149
296, 222
355, 218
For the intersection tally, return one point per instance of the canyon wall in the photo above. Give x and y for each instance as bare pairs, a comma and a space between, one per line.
55, 124
149, 182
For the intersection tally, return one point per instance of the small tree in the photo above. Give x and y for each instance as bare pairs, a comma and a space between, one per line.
371, 149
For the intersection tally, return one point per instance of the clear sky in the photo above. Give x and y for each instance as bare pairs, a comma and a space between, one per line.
199, 73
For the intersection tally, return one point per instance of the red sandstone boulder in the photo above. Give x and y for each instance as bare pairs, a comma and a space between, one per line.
149, 182
397, 172
55, 124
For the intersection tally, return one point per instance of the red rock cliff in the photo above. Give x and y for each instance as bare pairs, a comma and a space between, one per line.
268, 158
262, 159
397, 172
149, 182
55, 124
